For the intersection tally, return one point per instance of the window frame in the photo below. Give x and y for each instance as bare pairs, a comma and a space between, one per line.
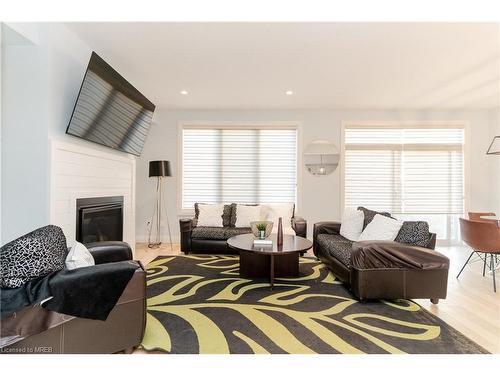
235, 125
408, 124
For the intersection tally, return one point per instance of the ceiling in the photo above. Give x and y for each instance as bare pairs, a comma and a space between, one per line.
326, 65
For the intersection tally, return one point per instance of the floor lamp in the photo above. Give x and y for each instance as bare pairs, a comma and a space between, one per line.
159, 169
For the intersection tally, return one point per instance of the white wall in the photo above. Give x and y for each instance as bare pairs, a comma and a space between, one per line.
319, 197
43, 67
24, 138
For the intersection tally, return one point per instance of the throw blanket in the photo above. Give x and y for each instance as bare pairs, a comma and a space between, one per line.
88, 292
389, 254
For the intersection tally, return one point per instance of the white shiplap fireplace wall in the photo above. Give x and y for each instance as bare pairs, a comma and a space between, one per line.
85, 172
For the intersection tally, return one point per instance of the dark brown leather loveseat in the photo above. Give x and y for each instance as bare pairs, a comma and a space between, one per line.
382, 269
206, 240
37, 330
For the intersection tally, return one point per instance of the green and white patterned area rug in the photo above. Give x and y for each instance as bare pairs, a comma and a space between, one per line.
199, 304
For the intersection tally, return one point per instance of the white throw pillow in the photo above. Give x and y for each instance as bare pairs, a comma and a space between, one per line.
247, 214
210, 215
381, 228
352, 224
79, 256
274, 211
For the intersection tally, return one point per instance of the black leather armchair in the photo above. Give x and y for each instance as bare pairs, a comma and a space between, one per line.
34, 327
109, 251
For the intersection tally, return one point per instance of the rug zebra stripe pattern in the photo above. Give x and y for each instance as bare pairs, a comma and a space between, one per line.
199, 304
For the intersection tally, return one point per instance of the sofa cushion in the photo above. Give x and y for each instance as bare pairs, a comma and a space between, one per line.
208, 233
269, 213
35, 254
226, 214
337, 246
370, 214
231, 232
246, 214
232, 221
210, 215
414, 233
352, 224
286, 231
381, 228
273, 211
217, 233
79, 256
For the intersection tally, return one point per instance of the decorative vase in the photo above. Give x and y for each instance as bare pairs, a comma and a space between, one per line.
279, 240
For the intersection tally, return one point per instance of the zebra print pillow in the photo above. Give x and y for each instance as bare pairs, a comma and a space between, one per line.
414, 233
35, 254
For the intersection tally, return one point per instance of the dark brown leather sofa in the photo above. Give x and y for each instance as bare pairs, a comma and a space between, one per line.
37, 330
384, 269
207, 240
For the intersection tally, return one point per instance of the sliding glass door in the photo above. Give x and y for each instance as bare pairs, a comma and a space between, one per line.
414, 172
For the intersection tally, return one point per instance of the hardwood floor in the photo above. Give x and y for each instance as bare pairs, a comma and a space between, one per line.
471, 306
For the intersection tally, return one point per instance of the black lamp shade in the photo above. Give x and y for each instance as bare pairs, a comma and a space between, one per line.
159, 168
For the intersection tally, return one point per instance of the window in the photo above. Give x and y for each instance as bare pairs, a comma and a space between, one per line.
413, 172
242, 165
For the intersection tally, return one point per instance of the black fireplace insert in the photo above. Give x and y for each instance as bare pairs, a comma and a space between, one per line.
99, 219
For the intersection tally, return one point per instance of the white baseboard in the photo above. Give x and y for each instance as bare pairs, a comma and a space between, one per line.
164, 238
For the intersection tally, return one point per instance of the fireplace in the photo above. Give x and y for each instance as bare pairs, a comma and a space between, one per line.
99, 219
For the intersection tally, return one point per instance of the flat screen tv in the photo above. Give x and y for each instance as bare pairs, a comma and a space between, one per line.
110, 111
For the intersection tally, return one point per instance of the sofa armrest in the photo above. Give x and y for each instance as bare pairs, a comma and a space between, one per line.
299, 225
186, 226
390, 255
326, 227
109, 251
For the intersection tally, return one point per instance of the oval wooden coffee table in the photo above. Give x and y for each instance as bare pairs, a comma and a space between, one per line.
269, 260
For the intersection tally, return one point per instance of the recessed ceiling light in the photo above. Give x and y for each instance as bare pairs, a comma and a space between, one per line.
184, 92
289, 92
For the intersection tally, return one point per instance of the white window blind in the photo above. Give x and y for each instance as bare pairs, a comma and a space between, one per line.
238, 165
405, 170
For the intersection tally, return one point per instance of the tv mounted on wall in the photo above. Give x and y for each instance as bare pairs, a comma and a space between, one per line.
110, 111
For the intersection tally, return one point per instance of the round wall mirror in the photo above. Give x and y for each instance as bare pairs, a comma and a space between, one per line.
321, 157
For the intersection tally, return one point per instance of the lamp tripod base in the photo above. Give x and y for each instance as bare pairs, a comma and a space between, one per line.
155, 225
